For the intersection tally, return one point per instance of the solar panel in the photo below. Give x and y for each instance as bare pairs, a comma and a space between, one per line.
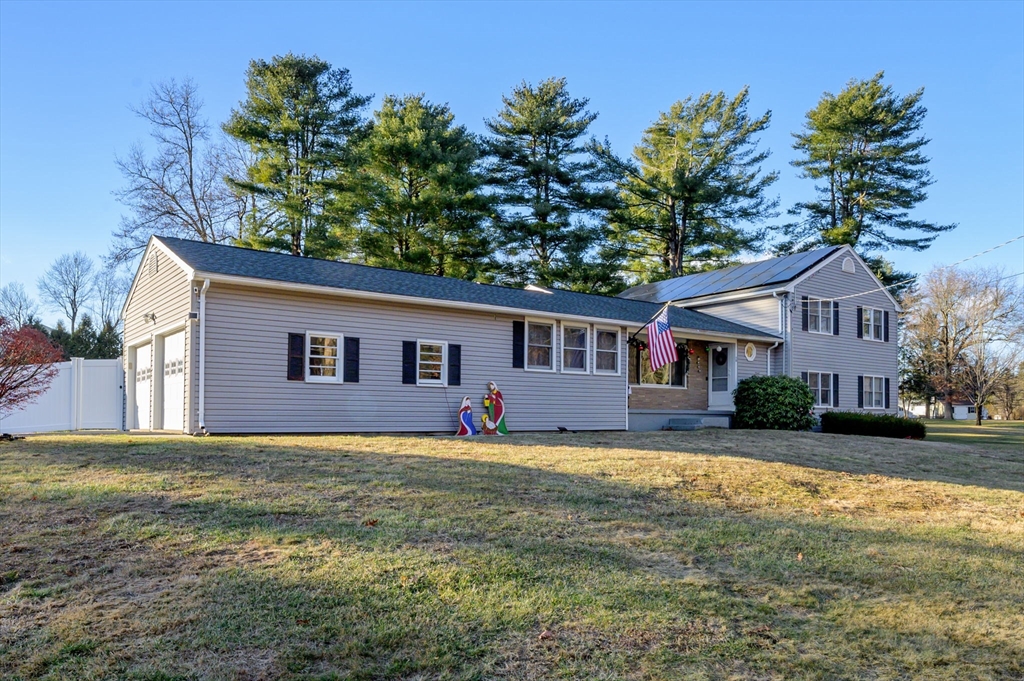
761, 273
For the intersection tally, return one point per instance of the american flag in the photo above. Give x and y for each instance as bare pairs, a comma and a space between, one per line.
660, 341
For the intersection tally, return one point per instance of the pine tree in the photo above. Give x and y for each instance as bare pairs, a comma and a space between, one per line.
425, 211
693, 188
552, 193
864, 151
300, 120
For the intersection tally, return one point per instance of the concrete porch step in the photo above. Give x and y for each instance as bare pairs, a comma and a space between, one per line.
686, 423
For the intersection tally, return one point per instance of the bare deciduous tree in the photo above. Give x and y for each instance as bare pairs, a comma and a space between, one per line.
1010, 391
16, 306
68, 285
961, 319
111, 290
982, 370
180, 190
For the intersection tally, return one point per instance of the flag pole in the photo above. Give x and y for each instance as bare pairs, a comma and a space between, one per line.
656, 315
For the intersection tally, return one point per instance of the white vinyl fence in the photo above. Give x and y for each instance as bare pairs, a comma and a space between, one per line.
85, 393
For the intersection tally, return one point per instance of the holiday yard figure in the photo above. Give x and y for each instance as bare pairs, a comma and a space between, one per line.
488, 425
466, 425
495, 405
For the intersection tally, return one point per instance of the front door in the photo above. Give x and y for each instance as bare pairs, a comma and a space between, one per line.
719, 379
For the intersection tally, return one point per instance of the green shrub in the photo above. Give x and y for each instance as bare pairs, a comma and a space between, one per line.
879, 425
773, 403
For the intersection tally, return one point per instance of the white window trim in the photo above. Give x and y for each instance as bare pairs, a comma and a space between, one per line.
661, 386
554, 345
831, 315
831, 384
443, 383
882, 392
586, 348
618, 351
872, 310
340, 360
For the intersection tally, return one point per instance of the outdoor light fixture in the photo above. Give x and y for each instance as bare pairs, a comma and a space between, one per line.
150, 317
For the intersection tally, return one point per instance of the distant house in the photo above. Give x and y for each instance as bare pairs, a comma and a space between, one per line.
962, 411
229, 340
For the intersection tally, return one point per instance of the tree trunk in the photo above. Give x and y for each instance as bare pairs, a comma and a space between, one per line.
948, 401
977, 414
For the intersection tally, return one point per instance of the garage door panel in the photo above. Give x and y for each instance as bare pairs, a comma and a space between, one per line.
174, 382
143, 386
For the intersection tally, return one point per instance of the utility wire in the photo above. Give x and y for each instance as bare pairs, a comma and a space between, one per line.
916, 276
864, 293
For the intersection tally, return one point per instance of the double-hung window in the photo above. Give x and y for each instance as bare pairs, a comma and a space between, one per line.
821, 387
606, 351
819, 316
540, 346
874, 392
575, 348
322, 358
431, 362
872, 323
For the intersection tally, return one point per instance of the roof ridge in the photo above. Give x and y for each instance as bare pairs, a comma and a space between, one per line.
305, 258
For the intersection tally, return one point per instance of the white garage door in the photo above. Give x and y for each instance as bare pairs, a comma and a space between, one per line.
143, 386
174, 382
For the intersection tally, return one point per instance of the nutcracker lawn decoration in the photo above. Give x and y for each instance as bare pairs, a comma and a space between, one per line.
466, 425
494, 403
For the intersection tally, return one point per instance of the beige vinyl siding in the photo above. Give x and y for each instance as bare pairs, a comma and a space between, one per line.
760, 313
246, 369
167, 293
844, 354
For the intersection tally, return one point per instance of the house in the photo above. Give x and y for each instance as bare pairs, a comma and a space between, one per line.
962, 411
223, 339
834, 321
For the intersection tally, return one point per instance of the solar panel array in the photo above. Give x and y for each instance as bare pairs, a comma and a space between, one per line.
755, 274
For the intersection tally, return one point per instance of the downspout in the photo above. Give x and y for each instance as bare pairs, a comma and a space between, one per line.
770, 356
784, 329
202, 356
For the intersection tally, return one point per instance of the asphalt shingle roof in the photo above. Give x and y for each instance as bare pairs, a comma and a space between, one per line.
243, 262
762, 273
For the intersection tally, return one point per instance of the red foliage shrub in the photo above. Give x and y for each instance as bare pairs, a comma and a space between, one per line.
27, 360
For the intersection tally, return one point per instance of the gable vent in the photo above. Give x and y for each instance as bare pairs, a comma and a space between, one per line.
848, 265
154, 264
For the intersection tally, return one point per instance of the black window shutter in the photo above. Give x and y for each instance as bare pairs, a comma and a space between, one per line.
351, 360
860, 323
887, 393
803, 377
296, 356
518, 344
835, 390
885, 330
454, 364
409, 362
860, 392
806, 313
835, 318
679, 366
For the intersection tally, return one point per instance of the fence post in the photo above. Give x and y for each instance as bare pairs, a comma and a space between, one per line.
77, 380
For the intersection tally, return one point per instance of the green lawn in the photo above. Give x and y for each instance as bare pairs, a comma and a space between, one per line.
704, 555
990, 434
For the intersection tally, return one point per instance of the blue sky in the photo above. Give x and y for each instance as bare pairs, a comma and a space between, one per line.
68, 72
